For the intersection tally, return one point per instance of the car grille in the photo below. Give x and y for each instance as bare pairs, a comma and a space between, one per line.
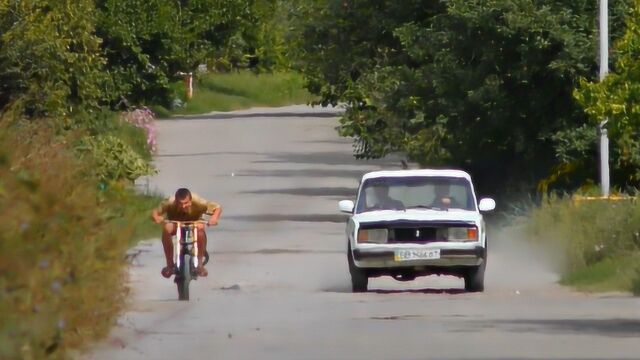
416, 231
413, 235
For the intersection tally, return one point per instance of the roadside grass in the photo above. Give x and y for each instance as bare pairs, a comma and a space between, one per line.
132, 208
239, 90
599, 241
63, 241
612, 274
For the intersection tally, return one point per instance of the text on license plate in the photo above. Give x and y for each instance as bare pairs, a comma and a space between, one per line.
413, 254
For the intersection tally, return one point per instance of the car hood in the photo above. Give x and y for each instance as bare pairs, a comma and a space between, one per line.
417, 215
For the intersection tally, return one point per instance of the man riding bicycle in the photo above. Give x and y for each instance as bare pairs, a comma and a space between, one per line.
184, 206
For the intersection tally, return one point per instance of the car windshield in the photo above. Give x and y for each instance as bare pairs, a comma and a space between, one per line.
418, 192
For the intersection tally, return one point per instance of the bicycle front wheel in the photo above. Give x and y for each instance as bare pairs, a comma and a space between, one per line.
184, 277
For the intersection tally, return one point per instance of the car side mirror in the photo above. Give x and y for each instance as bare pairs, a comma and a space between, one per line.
487, 204
346, 206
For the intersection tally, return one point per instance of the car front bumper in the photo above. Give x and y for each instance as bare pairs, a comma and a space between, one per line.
385, 258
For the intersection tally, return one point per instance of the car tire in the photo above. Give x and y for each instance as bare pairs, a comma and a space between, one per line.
359, 278
474, 278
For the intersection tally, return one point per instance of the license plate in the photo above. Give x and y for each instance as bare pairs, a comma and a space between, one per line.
413, 254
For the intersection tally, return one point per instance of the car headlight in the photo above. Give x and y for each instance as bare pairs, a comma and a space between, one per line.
378, 236
462, 234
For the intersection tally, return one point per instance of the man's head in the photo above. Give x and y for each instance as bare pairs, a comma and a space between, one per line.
442, 195
183, 199
381, 191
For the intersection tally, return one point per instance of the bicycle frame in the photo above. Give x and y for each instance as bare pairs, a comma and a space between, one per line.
190, 227
185, 246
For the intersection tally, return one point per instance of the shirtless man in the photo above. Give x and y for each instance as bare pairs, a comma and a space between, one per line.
184, 206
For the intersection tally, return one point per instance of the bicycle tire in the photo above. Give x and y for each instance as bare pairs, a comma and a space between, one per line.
184, 277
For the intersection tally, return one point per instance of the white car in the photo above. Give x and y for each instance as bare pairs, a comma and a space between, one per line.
410, 223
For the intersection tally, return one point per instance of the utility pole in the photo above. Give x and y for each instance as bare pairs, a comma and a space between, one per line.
604, 69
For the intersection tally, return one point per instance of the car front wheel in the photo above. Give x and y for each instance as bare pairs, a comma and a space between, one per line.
474, 278
359, 278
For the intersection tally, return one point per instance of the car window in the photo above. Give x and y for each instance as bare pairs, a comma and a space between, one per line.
390, 193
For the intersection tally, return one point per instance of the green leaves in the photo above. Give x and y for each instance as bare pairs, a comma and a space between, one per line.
115, 159
62, 245
617, 99
50, 57
61, 57
481, 85
149, 43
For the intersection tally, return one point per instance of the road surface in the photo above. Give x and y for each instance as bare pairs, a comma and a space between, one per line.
278, 285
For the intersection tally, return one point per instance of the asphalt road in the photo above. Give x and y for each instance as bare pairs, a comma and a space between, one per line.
278, 285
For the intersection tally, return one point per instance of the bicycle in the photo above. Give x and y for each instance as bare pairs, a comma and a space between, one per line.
185, 255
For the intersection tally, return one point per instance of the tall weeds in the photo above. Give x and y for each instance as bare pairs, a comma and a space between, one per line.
590, 234
62, 245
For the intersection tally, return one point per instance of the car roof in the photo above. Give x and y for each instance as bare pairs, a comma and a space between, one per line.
418, 172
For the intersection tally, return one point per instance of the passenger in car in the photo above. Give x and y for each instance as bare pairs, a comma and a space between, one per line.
383, 200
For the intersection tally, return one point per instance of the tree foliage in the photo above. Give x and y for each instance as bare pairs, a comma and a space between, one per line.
267, 35
66, 61
50, 58
148, 43
482, 85
617, 99
61, 57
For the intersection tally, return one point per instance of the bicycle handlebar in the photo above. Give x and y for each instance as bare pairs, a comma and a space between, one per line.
191, 222
186, 221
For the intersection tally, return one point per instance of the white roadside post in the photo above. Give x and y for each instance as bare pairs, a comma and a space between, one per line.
604, 69
188, 84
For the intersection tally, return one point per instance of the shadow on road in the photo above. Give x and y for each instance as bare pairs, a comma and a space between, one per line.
232, 115
337, 218
339, 141
602, 327
209, 153
452, 291
315, 158
313, 173
319, 191
547, 358
347, 289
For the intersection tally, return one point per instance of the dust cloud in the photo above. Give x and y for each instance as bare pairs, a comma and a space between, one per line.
518, 262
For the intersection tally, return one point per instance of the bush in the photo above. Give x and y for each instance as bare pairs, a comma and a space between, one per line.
635, 284
592, 234
144, 119
62, 246
119, 146
115, 159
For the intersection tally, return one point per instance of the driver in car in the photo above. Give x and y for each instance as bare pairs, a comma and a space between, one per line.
443, 198
184, 206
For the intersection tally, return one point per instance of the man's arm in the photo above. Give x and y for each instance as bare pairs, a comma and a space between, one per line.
156, 214
212, 208
213, 220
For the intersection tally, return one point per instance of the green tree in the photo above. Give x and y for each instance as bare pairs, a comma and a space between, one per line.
617, 99
50, 58
149, 42
59, 57
481, 85
267, 35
